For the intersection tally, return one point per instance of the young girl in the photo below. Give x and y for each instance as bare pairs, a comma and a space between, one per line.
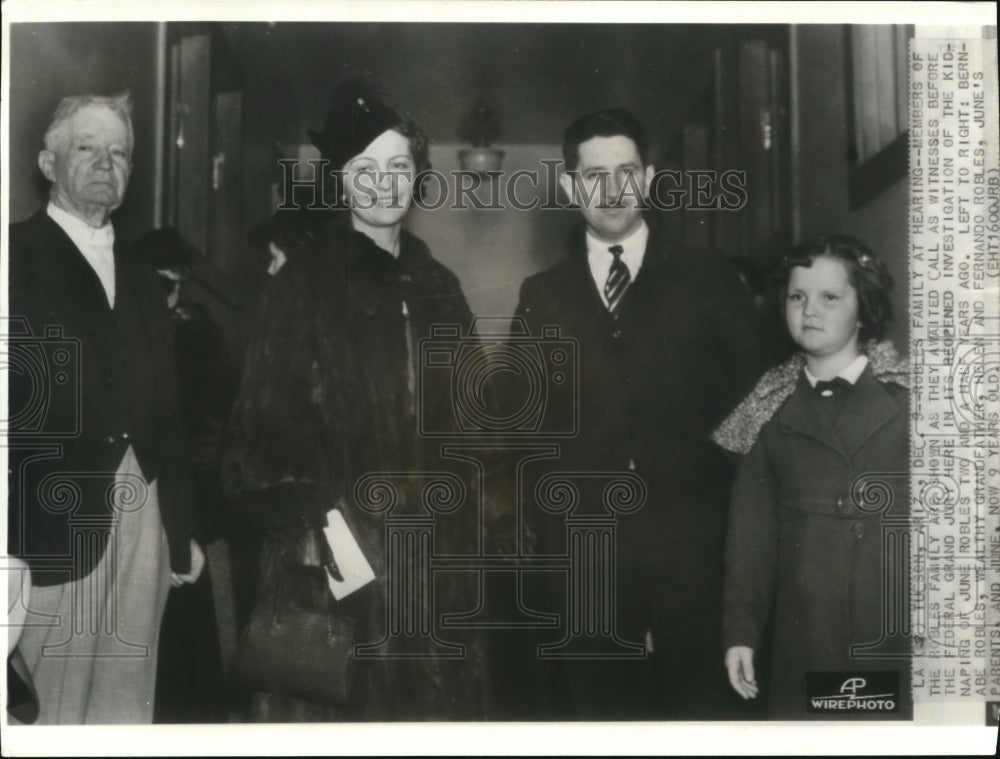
802, 543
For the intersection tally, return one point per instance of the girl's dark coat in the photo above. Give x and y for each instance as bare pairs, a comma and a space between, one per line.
800, 546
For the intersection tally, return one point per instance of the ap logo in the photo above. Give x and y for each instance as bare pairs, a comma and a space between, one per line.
853, 685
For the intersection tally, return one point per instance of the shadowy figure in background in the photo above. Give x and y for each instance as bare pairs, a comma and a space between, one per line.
776, 346
190, 685
284, 233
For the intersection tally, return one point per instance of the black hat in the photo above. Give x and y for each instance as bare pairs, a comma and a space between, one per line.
165, 249
356, 117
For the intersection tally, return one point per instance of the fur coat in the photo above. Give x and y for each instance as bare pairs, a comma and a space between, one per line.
329, 395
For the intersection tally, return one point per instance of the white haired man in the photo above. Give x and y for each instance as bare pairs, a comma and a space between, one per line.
100, 499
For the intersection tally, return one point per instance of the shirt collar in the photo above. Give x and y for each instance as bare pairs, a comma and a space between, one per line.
78, 230
850, 373
634, 248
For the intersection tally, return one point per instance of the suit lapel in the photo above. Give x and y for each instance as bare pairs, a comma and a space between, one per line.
129, 295
578, 282
653, 259
61, 268
656, 253
582, 279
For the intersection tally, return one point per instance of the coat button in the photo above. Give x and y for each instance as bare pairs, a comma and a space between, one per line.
125, 436
106, 378
108, 439
857, 531
841, 504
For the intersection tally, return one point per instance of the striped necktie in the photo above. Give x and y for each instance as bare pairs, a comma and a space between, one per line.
618, 278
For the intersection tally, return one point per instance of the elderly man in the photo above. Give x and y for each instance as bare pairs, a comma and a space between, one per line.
100, 505
667, 343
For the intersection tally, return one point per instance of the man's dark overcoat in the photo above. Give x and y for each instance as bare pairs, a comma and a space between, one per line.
87, 381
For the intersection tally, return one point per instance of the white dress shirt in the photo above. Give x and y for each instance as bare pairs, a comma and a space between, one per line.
96, 245
599, 257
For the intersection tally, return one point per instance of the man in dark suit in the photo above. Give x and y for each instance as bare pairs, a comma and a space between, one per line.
100, 500
668, 343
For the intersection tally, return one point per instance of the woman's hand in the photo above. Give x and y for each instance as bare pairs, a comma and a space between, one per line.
739, 664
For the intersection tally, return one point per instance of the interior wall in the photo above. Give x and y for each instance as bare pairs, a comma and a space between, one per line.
49, 61
492, 250
535, 77
822, 156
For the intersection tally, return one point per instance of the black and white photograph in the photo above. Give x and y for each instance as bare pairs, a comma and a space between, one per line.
518, 378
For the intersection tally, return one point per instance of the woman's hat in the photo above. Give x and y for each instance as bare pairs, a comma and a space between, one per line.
356, 117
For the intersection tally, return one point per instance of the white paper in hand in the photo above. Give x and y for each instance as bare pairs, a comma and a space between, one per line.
351, 561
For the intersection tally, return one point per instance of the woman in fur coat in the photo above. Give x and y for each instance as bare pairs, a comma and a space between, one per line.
330, 394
